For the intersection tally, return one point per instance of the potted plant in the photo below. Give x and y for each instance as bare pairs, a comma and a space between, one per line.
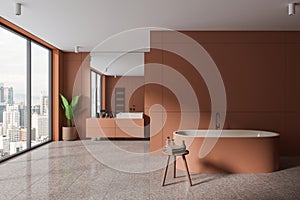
69, 132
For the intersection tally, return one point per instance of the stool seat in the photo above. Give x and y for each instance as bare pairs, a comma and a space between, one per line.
177, 154
182, 154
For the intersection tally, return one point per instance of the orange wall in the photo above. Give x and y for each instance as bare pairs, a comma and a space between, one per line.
56, 87
260, 72
75, 80
128, 82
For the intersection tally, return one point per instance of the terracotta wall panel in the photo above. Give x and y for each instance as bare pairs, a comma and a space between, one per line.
156, 37
156, 133
293, 80
190, 120
137, 99
153, 95
75, 81
56, 88
260, 73
255, 121
289, 139
205, 120
170, 101
182, 121
153, 73
154, 56
262, 78
73, 57
180, 71
72, 68
292, 37
229, 66
251, 72
129, 83
172, 123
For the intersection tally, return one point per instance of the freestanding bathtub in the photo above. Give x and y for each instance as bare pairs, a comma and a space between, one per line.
230, 151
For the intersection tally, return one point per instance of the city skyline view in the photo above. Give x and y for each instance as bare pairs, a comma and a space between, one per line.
13, 122
13, 93
21, 97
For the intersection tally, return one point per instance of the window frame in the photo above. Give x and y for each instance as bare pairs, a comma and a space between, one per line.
28, 91
98, 93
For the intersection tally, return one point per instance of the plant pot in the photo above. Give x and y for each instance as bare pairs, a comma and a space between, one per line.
69, 133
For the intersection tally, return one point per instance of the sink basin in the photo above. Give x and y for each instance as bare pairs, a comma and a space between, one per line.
129, 115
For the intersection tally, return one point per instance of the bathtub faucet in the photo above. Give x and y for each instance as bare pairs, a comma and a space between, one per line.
218, 116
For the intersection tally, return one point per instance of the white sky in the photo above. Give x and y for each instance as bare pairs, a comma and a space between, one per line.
13, 64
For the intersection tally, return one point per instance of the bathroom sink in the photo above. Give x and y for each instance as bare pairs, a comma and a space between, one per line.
129, 115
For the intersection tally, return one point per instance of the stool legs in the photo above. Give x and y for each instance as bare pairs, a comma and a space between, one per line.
187, 170
174, 174
165, 173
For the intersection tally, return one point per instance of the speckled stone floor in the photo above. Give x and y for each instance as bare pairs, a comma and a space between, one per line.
124, 170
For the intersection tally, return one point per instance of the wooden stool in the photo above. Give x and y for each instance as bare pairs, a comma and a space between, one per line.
174, 174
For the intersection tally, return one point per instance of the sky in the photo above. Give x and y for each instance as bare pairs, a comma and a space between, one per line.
13, 65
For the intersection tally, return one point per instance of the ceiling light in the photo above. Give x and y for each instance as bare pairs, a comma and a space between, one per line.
291, 8
76, 49
18, 8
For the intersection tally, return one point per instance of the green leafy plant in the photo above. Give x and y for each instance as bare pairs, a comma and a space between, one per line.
69, 108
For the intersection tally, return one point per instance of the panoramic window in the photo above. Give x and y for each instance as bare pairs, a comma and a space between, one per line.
40, 59
95, 94
24, 93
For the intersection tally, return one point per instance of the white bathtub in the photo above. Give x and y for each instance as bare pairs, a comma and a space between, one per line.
230, 151
225, 133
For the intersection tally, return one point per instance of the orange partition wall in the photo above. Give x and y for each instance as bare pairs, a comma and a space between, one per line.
57, 57
260, 74
75, 78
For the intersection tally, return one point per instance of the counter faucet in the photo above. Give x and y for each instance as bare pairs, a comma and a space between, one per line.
218, 116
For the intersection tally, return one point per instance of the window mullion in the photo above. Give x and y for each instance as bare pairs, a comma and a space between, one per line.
28, 96
50, 97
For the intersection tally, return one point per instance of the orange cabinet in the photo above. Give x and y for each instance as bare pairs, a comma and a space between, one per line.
115, 128
97, 127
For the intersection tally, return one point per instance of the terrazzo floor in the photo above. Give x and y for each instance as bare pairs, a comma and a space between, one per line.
124, 170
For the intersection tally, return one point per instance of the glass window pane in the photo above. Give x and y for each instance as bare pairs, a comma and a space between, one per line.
98, 99
13, 65
93, 94
39, 94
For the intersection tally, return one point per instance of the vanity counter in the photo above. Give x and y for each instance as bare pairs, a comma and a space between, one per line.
114, 128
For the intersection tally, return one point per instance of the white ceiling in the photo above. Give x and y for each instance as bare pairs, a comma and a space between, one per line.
67, 23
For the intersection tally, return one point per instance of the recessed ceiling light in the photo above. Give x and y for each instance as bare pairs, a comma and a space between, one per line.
18, 8
76, 50
291, 8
